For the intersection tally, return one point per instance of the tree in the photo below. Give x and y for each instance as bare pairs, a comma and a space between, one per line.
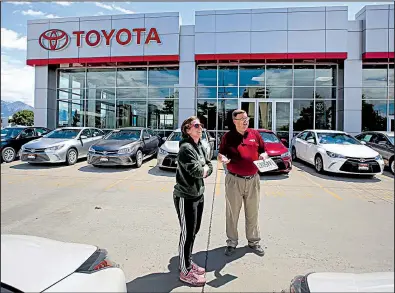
24, 117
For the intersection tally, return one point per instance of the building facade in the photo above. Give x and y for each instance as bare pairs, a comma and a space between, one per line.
289, 68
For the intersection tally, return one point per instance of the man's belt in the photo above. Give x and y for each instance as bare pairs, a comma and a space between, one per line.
243, 177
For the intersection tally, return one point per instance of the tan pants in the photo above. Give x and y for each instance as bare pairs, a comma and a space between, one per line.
239, 190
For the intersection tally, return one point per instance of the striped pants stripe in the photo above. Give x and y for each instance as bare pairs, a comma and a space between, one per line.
189, 213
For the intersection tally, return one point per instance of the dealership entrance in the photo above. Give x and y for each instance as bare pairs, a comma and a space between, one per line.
269, 114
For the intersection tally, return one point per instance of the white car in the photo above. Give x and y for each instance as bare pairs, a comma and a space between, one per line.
168, 151
336, 151
35, 264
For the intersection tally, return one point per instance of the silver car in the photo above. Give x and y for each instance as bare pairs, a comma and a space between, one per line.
168, 151
67, 144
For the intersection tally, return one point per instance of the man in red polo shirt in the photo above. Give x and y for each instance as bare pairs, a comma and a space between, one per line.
239, 149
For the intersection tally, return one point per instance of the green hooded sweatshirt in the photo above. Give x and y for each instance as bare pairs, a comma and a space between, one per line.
191, 159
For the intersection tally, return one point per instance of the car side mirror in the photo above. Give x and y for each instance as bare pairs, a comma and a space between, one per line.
310, 140
363, 142
164, 138
146, 137
283, 140
83, 137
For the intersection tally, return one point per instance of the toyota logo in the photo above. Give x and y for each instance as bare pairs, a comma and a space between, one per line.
104, 153
54, 40
362, 160
33, 150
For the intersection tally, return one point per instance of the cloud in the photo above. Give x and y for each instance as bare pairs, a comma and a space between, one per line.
33, 13
20, 3
12, 72
51, 16
12, 40
113, 7
64, 3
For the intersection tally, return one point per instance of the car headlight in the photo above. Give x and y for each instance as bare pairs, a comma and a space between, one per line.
125, 150
92, 150
162, 152
287, 154
333, 155
378, 158
55, 148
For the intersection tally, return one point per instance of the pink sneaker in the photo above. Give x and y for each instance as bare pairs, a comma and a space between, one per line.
198, 270
193, 278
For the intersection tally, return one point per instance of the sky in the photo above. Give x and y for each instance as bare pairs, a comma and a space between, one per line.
17, 79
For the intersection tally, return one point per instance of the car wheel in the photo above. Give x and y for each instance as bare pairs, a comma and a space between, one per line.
294, 157
319, 164
139, 158
8, 154
71, 157
392, 166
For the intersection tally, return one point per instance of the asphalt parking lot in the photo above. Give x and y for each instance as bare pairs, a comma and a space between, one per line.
309, 222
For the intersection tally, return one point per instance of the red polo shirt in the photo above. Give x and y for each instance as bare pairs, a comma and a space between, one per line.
242, 150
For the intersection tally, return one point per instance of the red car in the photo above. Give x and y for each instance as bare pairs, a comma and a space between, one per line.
277, 151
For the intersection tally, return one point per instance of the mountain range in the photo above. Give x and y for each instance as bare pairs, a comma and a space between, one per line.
9, 108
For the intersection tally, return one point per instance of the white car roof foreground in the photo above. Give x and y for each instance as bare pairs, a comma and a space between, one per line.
32, 264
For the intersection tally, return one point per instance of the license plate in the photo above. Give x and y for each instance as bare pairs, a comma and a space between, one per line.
31, 156
103, 159
363, 166
266, 165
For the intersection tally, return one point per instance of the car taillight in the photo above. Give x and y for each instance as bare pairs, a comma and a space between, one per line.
97, 261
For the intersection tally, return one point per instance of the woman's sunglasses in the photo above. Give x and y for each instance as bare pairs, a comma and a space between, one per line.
198, 125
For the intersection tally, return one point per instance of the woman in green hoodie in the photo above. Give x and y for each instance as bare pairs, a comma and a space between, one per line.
192, 168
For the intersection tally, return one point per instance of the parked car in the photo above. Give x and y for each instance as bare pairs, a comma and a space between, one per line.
382, 142
336, 151
66, 144
106, 130
13, 138
125, 146
276, 150
167, 156
343, 282
57, 266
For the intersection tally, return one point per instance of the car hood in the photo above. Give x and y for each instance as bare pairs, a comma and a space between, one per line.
32, 264
275, 148
171, 146
44, 142
112, 144
347, 282
354, 151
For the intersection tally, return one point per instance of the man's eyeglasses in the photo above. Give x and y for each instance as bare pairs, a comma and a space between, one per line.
243, 119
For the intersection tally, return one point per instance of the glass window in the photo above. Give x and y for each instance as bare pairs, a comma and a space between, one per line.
303, 135
227, 76
163, 76
303, 114
41, 131
304, 75
28, 132
162, 93
87, 133
325, 114
207, 93
374, 115
71, 94
63, 133
97, 132
252, 75
279, 93
391, 75
225, 109
100, 113
100, 93
207, 113
325, 75
100, 77
131, 113
391, 107
278, 76
162, 114
132, 77
71, 78
70, 113
374, 75
253, 93
325, 93
391, 93
136, 93
207, 76
303, 93
374, 93
227, 93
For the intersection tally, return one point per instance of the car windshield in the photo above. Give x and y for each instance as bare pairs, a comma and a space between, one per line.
336, 138
63, 133
269, 137
10, 132
175, 136
391, 138
124, 135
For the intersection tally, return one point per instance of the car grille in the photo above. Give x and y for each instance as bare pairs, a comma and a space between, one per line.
361, 160
106, 152
351, 165
279, 162
31, 150
170, 161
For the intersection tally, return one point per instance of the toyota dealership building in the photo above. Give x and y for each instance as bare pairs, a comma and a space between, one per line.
289, 68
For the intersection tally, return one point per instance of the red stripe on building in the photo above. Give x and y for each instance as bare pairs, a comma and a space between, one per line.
93, 60
264, 56
378, 55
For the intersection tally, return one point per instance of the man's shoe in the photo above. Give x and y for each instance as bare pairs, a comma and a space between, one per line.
257, 249
198, 270
192, 278
229, 250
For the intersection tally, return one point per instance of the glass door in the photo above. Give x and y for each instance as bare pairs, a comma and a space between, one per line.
390, 121
283, 121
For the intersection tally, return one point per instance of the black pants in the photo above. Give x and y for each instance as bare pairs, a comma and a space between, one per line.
190, 217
